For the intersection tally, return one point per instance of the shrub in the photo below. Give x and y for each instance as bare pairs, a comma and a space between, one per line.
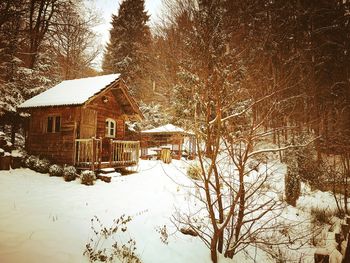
308, 166
292, 188
24, 159
194, 171
56, 170
69, 173
42, 166
322, 216
88, 177
31, 161
103, 247
292, 179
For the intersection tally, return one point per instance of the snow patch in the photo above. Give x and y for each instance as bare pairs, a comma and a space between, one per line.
168, 128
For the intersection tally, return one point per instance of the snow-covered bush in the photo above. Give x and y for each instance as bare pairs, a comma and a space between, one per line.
56, 170
24, 159
292, 188
310, 169
42, 166
69, 173
88, 177
31, 162
322, 216
194, 171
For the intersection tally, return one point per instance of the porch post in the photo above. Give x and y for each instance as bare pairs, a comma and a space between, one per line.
110, 151
180, 148
100, 154
93, 154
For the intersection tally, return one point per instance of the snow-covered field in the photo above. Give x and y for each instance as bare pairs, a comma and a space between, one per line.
45, 219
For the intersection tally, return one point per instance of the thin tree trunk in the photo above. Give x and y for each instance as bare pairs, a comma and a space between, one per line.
279, 145
213, 251
230, 252
220, 208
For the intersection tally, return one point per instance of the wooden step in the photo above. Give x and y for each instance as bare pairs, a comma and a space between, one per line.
107, 170
104, 177
106, 174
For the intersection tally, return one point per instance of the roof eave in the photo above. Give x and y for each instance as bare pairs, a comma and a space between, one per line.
48, 106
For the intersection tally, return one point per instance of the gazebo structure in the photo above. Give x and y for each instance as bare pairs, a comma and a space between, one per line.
179, 141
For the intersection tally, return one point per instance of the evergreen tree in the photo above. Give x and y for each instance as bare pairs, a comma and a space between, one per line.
10, 19
127, 50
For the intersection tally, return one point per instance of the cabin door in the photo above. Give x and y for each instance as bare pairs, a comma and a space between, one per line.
88, 123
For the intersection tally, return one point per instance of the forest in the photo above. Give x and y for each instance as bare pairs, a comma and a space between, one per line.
241, 74
295, 53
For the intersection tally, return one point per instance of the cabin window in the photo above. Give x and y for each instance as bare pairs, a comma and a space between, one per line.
110, 128
53, 124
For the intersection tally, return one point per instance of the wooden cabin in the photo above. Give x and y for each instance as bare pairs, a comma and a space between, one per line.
81, 122
180, 142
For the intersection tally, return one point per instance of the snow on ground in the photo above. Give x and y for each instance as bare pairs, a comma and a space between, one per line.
44, 219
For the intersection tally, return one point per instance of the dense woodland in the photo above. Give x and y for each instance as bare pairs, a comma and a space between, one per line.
295, 51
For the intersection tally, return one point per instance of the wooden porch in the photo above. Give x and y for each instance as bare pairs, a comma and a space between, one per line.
92, 154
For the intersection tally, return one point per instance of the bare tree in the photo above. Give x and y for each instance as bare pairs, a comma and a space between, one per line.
74, 40
239, 207
37, 24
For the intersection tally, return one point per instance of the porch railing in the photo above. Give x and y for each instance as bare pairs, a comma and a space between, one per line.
88, 153
124, 153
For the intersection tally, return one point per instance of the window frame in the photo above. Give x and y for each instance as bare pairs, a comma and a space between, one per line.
109, 128
53, 124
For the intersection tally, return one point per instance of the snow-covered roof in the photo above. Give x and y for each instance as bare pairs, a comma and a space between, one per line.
71, 92
168, 128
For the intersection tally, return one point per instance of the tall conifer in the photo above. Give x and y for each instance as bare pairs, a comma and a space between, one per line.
127, 50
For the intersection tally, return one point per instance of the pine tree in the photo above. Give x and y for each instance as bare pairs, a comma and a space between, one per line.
127, 51
10, 19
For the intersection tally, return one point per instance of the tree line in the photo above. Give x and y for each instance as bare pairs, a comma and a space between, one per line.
294, 52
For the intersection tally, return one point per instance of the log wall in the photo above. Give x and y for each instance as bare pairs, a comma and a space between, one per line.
81, 122
59, 146
109, 109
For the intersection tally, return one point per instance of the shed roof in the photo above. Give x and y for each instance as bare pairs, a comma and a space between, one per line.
167, 129
71, 92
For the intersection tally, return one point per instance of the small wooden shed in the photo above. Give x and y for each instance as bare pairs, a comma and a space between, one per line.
81, 122
180, 142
